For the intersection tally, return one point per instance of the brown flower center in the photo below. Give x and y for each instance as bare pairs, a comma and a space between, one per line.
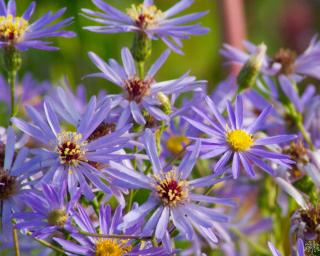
71, 148
287, 59
102, 130
297, 152
137, 88
144, 16
170, 189
8, 185
311, 218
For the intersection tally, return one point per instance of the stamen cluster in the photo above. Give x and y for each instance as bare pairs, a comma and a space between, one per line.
12, 29
239, 140
170, 189
71, 148
137, 88
112, 247
144, 16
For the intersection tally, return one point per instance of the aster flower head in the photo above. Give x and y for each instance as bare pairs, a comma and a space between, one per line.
14, 170
104, 246
140, 93
50, 211
173, 196
19, 32
237, 143
69, 155
284, 62
146, 18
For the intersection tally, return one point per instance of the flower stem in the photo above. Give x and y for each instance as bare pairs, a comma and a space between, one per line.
11, 81
16, 242
125, 237
305, 135
141, 69
49, 245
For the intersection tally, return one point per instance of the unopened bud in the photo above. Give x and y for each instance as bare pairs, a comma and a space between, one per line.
249, 72
142, 47
12, 59
165, 103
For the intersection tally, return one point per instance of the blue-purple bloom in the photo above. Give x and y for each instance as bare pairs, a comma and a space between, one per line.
141, 93
148, 19
173, 196
234, 141
72, 155
50, 211
18, 32
14, 170
108, 225
285, 61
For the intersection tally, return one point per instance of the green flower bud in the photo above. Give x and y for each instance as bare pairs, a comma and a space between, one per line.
12, 59
165, 103
57, 217
141, 48
249, 72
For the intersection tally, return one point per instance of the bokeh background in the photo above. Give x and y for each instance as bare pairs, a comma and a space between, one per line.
286, 23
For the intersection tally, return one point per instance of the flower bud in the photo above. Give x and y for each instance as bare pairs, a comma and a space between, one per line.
249, 72
141, 48
12, 59
165, 103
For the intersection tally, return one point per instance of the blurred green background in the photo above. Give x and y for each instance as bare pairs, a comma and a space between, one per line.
289, 23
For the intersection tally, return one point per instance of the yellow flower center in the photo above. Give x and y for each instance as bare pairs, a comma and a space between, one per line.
239, 140
144, 16
171, 190
70, 148
112, 247
57, 217
175, 144
12, 28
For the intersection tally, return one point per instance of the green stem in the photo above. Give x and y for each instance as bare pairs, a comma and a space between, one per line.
95, 205
154, 242
49, 245
305, 135
130, 201
141, 69
11, 81
16, 242
125, 237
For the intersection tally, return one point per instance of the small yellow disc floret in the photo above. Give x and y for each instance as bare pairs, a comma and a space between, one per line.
175, 144
239, 140
12, 29
112, 247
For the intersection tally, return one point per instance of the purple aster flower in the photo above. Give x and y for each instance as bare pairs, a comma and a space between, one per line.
141, 94
108, 223
71, 155
146, 18
28, 91
50, 211
173, 196
175, 138
14, 170
233, 141
284, 62
18, 32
